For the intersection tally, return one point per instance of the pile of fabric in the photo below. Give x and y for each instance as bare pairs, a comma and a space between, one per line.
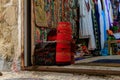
45, 55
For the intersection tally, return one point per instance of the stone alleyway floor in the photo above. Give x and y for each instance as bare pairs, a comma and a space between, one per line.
33, 75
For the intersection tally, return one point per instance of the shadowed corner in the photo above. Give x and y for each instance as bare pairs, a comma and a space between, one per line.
1, 74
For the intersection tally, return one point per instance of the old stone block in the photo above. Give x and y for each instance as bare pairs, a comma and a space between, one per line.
1, 16
0, 7
10, 15
15, 2
5, 1
5, 32
9, 32
7, 35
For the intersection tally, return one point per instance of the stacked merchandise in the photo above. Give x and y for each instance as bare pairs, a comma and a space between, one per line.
63, 47
45, 55
87, 17
47, 14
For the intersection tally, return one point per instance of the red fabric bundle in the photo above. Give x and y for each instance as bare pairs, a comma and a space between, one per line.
63, 49
64, 38
62, 45
63, 57
64, 27
52, 35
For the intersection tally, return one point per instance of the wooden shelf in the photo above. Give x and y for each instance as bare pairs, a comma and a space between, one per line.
48, 42
109, 45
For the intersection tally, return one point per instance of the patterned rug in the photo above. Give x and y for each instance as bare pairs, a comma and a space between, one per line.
25, 79
107, 61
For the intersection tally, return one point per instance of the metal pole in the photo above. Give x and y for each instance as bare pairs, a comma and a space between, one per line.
27, 32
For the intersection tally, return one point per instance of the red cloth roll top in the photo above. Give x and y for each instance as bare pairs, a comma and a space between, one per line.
64, 27
64, 38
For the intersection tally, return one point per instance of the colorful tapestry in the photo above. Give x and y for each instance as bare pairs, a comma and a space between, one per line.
40, 13
49, 12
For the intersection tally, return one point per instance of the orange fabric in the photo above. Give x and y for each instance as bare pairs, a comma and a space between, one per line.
109, 32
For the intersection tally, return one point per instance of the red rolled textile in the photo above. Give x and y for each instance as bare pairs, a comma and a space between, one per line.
62, 57
64, 26
64, 38
63, 49
62, 45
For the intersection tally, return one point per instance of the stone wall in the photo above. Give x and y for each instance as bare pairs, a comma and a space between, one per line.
10, 32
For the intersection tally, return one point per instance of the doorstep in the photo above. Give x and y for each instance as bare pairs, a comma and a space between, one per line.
90, 70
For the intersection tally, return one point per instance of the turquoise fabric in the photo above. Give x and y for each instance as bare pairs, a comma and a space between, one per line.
105, 32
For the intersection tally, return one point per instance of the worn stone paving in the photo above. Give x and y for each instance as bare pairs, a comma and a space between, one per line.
25, 79
26, 75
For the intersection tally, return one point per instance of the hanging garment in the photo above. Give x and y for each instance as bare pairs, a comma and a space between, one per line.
109, 12
101, 24
106, 15
96, 25
86, 26
118, 11
104, 20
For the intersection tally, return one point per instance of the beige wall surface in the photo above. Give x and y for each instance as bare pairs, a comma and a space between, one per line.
11, 26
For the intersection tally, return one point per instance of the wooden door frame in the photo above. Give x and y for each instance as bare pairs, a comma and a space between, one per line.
29, 49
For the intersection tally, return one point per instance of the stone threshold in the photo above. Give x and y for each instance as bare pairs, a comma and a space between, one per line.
75, 69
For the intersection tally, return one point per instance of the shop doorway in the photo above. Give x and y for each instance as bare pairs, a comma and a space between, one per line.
35, 50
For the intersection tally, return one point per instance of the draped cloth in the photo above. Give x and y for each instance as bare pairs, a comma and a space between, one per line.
101, 24
96, 25
108, 13
86, 26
